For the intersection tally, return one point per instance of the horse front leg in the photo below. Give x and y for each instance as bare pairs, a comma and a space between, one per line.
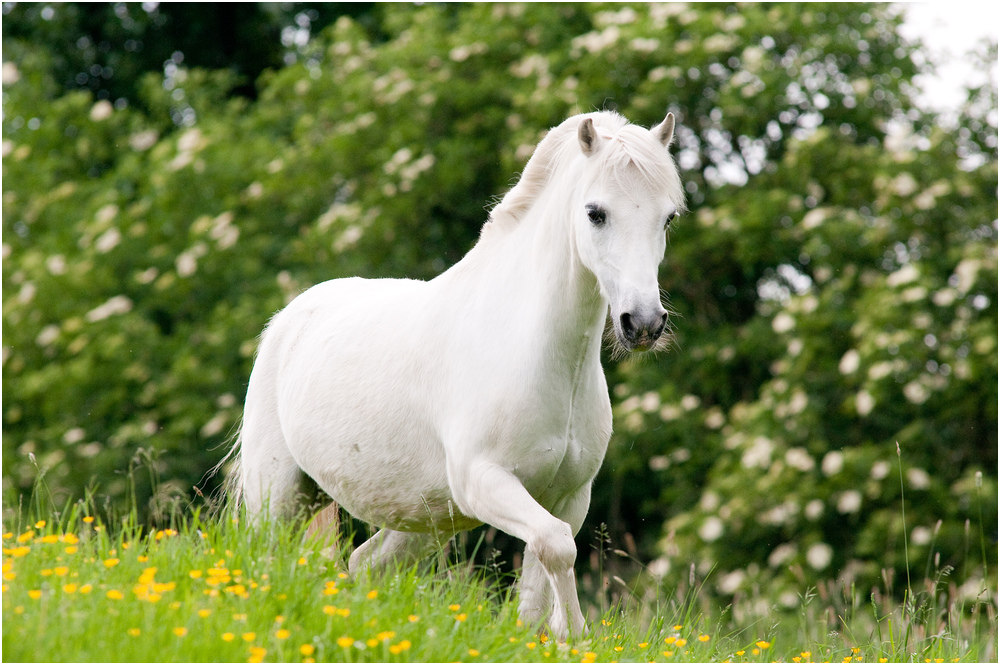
494, 495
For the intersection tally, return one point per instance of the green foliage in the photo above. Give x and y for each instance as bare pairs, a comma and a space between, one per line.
834, 285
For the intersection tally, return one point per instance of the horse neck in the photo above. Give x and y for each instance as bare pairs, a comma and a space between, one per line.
553, 288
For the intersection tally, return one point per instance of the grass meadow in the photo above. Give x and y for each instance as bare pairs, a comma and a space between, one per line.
207, 589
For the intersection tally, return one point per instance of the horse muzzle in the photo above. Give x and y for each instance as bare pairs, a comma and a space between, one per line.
639, 331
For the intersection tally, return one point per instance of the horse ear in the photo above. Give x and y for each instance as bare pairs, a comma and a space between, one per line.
665, 130
589, 140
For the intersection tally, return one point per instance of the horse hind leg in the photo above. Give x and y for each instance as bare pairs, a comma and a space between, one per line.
388, 549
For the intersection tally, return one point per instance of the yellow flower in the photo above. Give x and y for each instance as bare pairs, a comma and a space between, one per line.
883, 660
26, 536
473, 652
454, 608
643, 645
385, 635
69, 588
204, 613
796, 659
35, 594
111, 563
180, 631
302, 561
142, 559
855, 650
704, 638
307, 649
257, 655
740, 652
589, 657
17, 552
88, 520
283, 634
531, 645
678, 626
371, 642
134, 632
681, 642
372, 594
413, 618
668, 654
763, 645
806, 654
249, 637
619, 649
115, 594
86, 588
71, 550
461, 617
40, 524
344, 642
670, 640
228, 637
61, 571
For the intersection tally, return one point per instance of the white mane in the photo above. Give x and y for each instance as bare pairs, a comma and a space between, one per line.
629, 149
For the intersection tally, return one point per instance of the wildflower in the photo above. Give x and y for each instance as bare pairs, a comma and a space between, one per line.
883, 660
678, 626
796, 659
740, 652
670, 640
855, 650
372, 594
806, 654
69, 588
473, 652
413, 618
17, 552
257, 655
49, 539
204, 613
180, 631
704, 638
454, 608
61, 571
302, 561
385, 635
228, 637
88, 520
134, 632
86, 588
681, 642
643, 645
249, 637
111, 563
589, 657
142, 559
279, 619
345, 641
115, 594
71, 550
35, 594
307, 649
371, 642
668, 654
531, 645
40, 524
461, 617
283, 634
619, 648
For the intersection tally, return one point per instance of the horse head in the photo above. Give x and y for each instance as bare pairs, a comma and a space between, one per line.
629, 194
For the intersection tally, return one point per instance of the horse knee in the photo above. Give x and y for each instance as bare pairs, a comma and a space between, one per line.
555, 548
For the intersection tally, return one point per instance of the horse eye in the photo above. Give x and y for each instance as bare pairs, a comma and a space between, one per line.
671, 217
596, 215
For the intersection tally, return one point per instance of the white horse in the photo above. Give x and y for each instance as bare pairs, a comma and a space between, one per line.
428, 408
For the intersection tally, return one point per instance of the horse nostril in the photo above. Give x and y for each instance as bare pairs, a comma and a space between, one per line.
661, 324
628, 328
